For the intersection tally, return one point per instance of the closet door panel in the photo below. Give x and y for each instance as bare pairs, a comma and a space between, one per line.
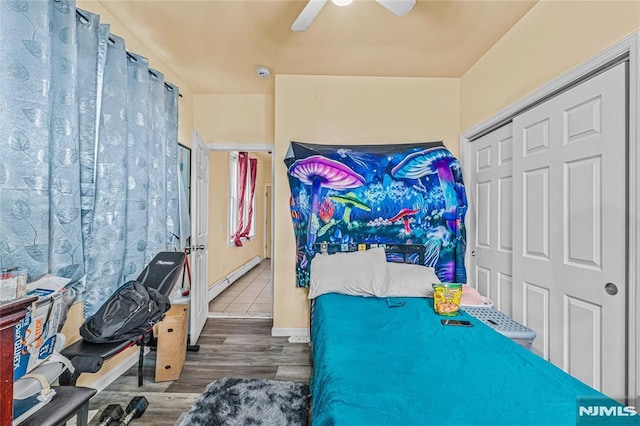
492, 201
569, 228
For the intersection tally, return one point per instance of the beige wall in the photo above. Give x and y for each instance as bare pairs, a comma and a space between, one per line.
347, 110
233, 119
552, 38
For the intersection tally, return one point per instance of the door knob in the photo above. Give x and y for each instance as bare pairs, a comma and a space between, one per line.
611, 289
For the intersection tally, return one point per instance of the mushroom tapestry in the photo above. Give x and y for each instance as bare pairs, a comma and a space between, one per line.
351, 197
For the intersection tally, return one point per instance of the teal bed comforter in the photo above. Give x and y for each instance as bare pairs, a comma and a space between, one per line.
374, 364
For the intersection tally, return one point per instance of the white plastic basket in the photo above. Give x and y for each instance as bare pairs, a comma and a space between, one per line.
503, 324
486, 303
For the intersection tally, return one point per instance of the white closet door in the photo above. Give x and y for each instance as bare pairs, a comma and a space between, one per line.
492, 194
570, 229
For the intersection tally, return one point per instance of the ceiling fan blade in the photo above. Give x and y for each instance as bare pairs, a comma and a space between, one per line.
399, 7
308, 14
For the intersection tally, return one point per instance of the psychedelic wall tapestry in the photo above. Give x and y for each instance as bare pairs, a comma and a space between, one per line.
353, 197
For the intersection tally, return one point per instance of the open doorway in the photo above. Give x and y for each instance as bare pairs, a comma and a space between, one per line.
240, 277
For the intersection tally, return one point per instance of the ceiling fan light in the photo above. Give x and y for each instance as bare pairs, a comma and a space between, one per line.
342, 2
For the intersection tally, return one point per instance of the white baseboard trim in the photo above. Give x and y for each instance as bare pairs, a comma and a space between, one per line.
105, 380
220, 285
288, 332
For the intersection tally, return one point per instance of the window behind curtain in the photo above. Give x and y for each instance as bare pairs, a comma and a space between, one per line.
234, 187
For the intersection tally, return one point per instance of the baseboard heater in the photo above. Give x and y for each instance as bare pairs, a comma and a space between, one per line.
224, 282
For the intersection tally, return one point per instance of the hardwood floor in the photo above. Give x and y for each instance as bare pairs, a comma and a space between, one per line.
242, 348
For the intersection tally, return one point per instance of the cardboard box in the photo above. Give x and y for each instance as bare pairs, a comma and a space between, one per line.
35, 335
172, 343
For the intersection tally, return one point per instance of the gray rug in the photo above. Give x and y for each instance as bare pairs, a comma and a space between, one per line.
235, 402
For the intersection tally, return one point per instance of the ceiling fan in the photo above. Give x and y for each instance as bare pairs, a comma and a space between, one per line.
313, 7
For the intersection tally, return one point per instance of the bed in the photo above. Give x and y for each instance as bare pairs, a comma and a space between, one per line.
380, 354
389, 360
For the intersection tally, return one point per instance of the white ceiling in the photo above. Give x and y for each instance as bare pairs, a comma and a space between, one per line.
214, 46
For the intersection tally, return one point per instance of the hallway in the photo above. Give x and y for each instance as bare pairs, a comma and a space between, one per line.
248, 297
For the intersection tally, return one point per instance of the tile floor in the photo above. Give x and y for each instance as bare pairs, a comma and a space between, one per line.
249, 296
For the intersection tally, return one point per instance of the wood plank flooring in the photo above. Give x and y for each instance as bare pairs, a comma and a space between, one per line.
242, 348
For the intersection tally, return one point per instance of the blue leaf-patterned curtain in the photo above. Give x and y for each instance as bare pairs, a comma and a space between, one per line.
172, 191
88, 149
39, 151
137, 164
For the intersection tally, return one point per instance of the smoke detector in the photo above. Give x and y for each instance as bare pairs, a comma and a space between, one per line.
263, 72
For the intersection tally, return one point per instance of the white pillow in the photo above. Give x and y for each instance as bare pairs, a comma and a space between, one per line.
358, 273
410, 280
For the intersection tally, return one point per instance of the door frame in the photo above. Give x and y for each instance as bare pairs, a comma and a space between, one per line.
256, 147
626, 49
264, 250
